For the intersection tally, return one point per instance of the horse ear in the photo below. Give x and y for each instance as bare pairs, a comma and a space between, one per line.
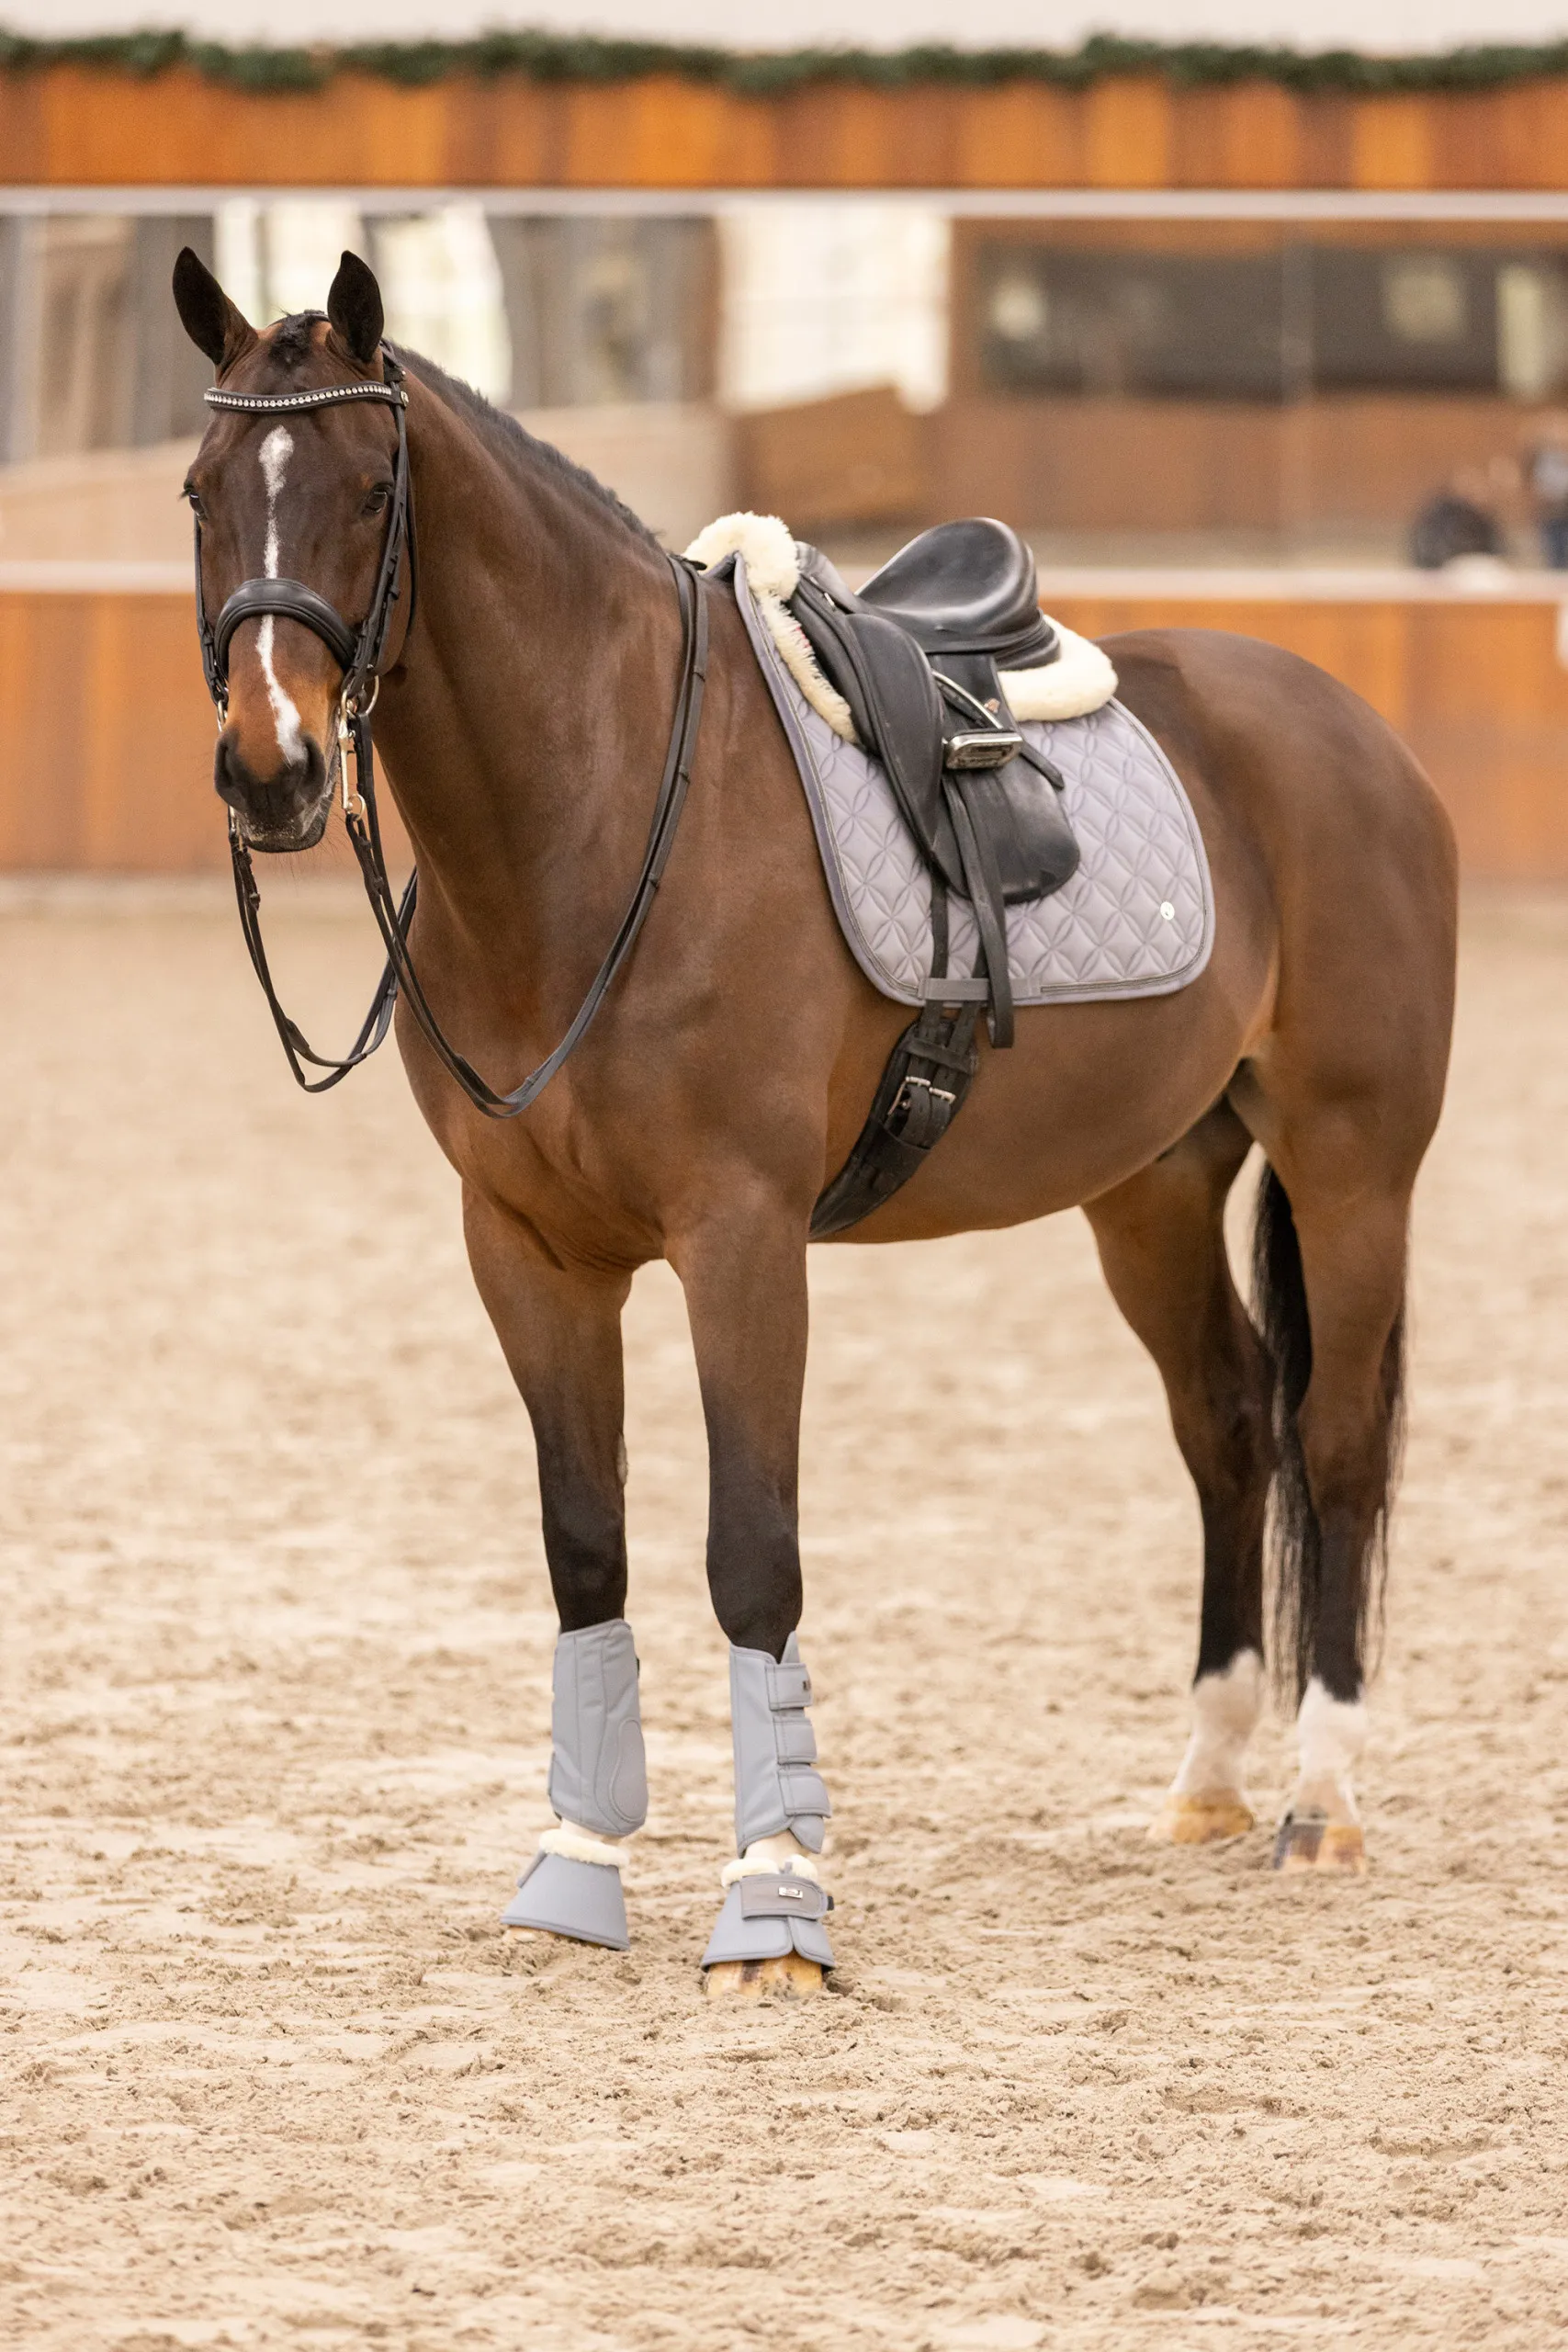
211, 320
354, 306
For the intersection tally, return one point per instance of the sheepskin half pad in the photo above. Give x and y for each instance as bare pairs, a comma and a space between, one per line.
1137, 918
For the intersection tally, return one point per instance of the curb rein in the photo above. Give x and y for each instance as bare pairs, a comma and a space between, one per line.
359, 656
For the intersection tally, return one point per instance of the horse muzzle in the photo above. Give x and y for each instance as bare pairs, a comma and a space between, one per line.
285, 810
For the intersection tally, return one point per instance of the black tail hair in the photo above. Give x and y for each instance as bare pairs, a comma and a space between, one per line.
1295, 1541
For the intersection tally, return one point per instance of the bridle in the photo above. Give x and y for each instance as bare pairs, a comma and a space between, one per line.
359, 655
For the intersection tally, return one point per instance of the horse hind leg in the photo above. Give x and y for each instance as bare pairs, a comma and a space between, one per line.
1161, 1242
1331, 1284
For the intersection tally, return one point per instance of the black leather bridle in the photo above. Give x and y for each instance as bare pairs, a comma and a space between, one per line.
360, 653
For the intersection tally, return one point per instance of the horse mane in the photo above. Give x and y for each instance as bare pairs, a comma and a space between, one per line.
516, 447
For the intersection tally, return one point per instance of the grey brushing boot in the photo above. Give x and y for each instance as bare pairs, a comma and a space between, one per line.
773, 1908
598, 1788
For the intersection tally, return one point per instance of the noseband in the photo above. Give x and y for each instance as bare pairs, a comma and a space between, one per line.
360, 653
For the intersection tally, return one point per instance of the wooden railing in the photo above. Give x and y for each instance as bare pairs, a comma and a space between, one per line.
73, 126
106, 734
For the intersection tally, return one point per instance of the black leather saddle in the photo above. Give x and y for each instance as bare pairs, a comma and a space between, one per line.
915, 654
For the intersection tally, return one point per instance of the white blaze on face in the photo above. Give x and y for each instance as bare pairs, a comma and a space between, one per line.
275, 452
1225, 1708
1332, 1733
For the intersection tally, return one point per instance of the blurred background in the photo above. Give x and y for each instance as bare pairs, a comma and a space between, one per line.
1292, 360
1135, 391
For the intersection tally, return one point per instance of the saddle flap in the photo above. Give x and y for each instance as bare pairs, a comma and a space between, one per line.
1013, 797
898, 713
1020, 817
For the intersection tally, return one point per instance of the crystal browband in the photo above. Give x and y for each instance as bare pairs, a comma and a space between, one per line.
261, 403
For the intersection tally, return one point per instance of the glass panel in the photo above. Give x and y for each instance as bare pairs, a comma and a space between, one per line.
1117, 323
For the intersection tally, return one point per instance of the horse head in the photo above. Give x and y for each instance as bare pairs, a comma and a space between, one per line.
287, 490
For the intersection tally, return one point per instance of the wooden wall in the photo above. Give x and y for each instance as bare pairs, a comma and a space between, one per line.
73, 126
1478, 690
853, 458
106, 734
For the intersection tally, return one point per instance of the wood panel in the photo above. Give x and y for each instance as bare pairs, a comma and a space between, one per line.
1128, 465
105, 739
853, 457
73, 126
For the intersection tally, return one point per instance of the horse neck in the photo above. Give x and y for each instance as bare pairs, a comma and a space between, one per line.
523, 734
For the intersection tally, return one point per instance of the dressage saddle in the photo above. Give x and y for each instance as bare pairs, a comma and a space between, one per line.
917, 656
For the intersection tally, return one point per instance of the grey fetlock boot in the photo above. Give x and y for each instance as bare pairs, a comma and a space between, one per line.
598, 1789
774, 1902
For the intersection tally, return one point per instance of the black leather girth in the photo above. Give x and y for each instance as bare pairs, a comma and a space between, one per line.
922, 1093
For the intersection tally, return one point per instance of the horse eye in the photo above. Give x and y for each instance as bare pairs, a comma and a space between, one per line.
193, 499
375, 500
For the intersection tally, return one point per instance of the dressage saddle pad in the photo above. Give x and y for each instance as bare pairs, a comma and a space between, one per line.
1137, 918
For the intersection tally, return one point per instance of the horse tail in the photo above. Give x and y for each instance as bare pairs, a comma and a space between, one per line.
1295, 1538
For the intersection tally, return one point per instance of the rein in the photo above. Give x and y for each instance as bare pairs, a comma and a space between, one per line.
359, 655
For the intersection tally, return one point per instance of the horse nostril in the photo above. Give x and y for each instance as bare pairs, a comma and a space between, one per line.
273, 802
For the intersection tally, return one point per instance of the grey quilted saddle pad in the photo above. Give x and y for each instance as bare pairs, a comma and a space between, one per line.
1137, 918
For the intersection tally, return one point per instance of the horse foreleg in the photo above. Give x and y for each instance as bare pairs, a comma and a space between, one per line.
1161, 1242
745, 1284
560, 1331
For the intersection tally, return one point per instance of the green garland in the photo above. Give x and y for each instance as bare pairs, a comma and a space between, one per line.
548, 57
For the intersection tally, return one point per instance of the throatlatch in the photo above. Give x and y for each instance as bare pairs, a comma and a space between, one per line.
597, 1787
774, 1902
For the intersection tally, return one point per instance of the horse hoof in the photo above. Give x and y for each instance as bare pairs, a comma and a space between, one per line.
1307, 1841
1200, 1821
753, 1980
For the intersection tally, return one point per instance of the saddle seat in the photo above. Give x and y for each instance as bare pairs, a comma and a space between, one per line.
967, 587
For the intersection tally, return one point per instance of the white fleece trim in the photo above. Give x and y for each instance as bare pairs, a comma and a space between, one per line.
801, 664
765, 545
574, 1845
1080, 680
773, 1857
773, 572
1225, 1709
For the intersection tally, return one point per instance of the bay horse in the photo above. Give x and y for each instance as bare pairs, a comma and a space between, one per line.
528, 686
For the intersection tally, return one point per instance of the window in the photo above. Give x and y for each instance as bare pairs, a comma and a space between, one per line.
1132, 323
1266, 327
